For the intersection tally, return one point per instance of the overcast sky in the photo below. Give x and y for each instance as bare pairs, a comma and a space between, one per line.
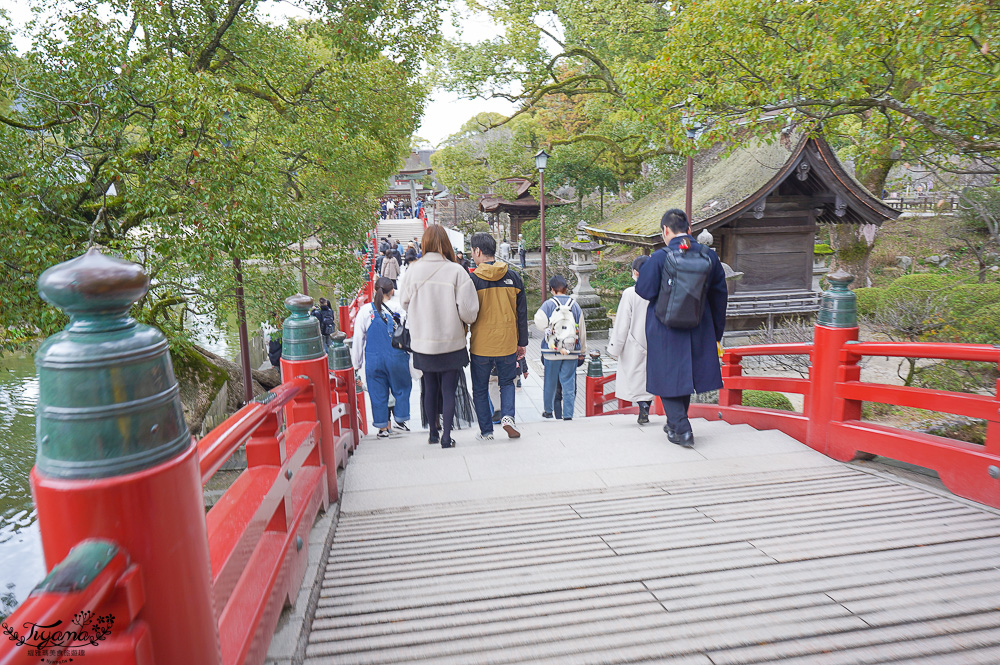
445, 112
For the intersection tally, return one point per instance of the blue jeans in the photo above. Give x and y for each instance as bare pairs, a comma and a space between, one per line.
480, 368
562, 372
385, 372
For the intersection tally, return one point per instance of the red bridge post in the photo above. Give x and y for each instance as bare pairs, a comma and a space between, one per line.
836, 325
115, 458
593, 404
302, 354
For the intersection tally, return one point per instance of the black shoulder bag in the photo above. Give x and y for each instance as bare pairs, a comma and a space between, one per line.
400, 333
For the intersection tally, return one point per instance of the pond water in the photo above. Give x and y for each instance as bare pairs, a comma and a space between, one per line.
21, 563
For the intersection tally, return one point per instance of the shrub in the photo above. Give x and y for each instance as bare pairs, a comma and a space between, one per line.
822, 249
968, 299
923, 284
766, 399
612, 276
981, 326
868, 300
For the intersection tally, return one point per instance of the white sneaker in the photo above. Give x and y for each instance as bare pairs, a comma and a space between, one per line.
508, 424
484, 437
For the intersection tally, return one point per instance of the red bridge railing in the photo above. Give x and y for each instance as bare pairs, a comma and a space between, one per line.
139, 573
831, 421
349, 311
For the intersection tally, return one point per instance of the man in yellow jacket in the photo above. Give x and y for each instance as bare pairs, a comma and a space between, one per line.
499, 335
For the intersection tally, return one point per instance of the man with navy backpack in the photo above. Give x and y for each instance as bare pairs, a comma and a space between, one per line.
685, 285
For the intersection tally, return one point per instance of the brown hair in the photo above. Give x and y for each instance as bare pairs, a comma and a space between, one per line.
436, 240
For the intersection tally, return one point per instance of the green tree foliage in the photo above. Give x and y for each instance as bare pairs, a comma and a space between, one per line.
565, 76
911, 79
225, 134
886, 79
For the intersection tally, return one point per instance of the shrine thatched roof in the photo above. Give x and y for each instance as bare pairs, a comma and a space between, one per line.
729, 182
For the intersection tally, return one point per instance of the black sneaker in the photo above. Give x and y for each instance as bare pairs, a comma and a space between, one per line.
567, 419
643, 418
402, 426
383, 433
450, 443
434, 438
546, 414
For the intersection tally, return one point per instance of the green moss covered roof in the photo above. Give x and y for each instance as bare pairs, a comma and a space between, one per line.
721, 181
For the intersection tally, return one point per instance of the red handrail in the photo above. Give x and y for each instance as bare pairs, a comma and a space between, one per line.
219, 445
796, 349
98, 617
933, 350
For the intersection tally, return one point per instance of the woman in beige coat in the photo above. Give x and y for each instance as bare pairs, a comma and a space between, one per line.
440, 301
628, 344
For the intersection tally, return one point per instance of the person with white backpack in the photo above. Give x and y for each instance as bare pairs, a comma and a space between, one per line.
564, 346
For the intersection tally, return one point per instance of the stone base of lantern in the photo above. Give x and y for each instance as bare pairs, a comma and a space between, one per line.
594, 314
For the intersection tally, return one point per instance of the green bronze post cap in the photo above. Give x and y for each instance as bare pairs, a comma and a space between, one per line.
300, 334
108, 401
594, 367
298, 303
338, 338
840, 279
93, 284
838, 306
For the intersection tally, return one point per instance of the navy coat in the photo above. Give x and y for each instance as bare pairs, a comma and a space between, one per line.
682, 362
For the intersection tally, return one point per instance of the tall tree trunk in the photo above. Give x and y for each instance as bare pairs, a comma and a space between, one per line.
851, 252
873, 177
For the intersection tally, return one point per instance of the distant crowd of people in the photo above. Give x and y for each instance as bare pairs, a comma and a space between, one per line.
456, 314
434, 313
390, 208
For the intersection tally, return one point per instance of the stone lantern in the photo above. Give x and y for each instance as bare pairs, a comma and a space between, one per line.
596, 316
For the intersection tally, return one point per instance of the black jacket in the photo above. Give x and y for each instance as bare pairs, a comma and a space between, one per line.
327, 324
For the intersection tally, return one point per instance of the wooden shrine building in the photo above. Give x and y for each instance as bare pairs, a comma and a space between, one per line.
762, 204
521, 208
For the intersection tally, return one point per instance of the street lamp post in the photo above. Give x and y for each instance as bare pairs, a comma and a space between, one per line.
693, 130
541, 159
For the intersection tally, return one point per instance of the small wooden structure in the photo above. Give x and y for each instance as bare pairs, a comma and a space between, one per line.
522, 207
762, 204
406, 186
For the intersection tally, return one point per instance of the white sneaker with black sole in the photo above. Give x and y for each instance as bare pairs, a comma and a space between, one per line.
508, 424
484, 437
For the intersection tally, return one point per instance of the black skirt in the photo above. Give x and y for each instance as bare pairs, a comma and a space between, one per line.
441, 362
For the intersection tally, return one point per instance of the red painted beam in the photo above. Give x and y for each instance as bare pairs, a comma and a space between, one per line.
776, 383
964, 468
737, 352
220, 444
962, 404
